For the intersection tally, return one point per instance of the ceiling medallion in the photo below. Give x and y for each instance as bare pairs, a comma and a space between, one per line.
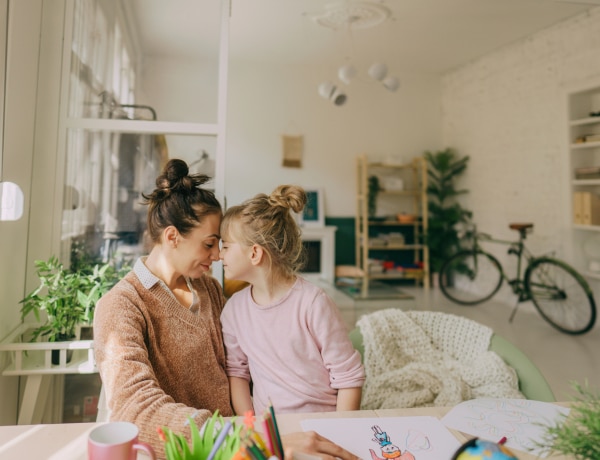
351, 14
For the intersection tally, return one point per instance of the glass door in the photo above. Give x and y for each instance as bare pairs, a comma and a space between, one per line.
132, 102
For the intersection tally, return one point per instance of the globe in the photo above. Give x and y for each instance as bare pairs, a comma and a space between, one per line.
479, 449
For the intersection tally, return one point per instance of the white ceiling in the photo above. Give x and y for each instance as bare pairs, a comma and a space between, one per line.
420, 35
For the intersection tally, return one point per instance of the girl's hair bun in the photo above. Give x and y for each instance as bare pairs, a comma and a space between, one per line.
288, 197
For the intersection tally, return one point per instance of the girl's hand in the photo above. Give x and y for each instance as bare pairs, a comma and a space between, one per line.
312, 443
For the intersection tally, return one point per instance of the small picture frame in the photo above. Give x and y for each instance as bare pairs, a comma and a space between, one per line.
313, 214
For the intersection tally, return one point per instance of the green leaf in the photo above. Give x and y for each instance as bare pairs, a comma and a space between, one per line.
445, 213
176, 447
68, 298
579, 433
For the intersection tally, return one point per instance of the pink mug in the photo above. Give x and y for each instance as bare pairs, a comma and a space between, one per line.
116, 441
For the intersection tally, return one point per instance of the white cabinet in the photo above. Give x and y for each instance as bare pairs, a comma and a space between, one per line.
388, 247
584, 183
325, 239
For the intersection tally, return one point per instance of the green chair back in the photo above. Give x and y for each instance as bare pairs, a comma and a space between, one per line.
532, 382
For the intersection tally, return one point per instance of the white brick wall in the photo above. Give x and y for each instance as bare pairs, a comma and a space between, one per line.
507, 111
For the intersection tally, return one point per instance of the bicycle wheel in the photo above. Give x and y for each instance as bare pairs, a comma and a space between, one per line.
561, 295
470, 277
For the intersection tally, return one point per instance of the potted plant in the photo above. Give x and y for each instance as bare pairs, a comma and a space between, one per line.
66, 297
446, 214
374, 187
216, 440
577, 434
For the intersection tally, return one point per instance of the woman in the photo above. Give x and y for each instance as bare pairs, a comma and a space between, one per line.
157, 334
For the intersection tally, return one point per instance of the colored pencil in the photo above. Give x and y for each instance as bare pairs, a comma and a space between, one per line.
268, 437
271, 434
277, 436
261, 443
219, 441
256, 451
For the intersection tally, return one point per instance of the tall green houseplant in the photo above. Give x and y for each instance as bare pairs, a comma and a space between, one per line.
446, 214
374, 189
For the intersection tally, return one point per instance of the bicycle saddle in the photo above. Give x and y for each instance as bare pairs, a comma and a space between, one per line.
520, 227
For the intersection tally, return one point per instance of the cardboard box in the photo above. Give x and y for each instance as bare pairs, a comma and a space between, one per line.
577, 199
586, 208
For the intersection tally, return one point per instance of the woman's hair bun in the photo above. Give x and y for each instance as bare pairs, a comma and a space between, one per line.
176, 176
176, 170
173, 173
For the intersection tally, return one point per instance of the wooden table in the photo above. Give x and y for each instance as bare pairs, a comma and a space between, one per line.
69, 441
66, 441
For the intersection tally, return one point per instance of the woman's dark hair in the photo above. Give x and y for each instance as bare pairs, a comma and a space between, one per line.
266, 220
179, 200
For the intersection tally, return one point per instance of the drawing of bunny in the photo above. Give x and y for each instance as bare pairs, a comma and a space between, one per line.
388, 450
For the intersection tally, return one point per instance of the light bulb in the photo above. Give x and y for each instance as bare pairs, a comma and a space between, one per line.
326, 89
378, 71
391, 83
339, 98
329, 91
346, 73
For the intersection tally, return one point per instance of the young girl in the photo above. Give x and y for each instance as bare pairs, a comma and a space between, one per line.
281, 333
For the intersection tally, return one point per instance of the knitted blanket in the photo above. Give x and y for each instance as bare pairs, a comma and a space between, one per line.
423, 358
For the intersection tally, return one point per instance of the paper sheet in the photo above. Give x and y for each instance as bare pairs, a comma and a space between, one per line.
418, 438
522, 421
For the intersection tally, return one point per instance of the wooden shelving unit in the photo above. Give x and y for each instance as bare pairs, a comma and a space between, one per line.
398, 246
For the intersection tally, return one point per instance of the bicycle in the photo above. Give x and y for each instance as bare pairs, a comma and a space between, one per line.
560, 294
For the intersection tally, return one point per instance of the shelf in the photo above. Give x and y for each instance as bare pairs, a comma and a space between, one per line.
390, 165
590, 228
35, 364
400, 192
35, 358
592, 275
586, 182
395, 247
393, 223
585, 121
585, 145
396, 276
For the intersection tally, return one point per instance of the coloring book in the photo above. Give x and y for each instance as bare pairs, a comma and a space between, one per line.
385, 438
521, 421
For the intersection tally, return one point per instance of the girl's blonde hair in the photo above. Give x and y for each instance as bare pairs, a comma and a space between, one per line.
266, 220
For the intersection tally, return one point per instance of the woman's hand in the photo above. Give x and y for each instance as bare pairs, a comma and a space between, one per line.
312, 443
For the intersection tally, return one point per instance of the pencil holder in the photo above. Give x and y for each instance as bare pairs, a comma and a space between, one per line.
221, 439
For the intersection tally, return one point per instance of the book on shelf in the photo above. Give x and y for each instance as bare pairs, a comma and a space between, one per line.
587, 172
586, 208
588, 138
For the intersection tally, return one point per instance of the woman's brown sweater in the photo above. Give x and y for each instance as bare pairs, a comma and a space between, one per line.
159, 362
